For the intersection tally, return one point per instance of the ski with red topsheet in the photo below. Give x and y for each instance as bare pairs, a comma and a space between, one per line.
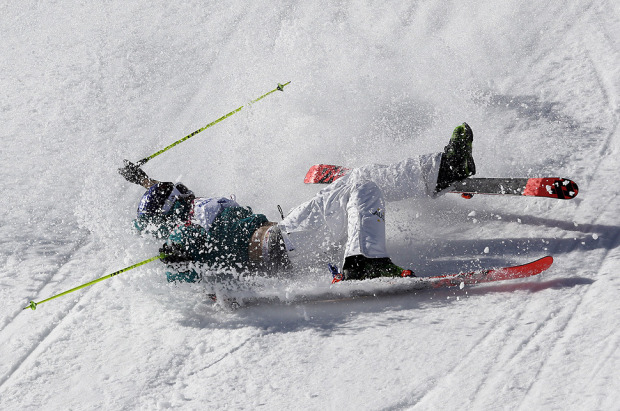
351, 290
465, 278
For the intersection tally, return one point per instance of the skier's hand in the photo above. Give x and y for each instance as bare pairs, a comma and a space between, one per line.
133, 173
175, 253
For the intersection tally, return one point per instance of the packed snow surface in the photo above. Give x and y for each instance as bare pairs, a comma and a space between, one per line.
84, 85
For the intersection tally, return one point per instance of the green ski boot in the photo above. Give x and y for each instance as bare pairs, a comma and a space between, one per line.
457, 162
359, 267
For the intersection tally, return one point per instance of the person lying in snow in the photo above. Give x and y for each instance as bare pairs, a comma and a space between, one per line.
220, 233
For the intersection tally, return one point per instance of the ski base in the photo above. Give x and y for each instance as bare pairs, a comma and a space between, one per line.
549, 187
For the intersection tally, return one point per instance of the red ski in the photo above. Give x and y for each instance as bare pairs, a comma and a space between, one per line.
348, 290
351, 290
324, 174
494, 274
451, 280
550, 187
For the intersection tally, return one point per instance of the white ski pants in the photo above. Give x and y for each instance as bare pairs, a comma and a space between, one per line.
354, 205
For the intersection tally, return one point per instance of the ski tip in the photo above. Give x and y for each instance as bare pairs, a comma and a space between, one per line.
540, 265
553, 187
520, 271
546, 261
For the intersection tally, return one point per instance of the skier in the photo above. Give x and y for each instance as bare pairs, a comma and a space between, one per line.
220, 233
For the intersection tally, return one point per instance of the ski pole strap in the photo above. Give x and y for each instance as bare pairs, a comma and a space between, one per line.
280, 87
34, 305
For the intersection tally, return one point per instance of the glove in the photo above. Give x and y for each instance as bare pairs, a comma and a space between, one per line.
175, 253
132, 173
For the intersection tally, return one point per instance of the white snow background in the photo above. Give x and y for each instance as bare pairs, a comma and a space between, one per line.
86, 84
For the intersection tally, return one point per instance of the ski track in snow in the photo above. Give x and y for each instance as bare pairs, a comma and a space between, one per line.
94, 84
493, 336
555, 337
41, 337
46, 280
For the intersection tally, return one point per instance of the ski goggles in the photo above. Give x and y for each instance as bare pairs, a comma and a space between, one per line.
161, 197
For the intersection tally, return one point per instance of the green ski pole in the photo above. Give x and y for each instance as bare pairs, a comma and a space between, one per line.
33, 305
144, 160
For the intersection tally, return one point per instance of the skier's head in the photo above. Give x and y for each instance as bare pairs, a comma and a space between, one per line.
163, 207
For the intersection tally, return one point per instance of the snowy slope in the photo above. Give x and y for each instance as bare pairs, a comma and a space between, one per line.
87, 84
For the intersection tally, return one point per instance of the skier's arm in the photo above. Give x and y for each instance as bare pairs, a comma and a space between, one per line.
187, 243
134, 174
185, 248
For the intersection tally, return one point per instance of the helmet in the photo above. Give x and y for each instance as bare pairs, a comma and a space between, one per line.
162, 207
160, 199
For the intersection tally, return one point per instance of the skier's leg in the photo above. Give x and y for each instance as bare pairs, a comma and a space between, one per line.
366, 221
412, 177
307, 216
326, 209
319, 220
366, 252
426, 175
301, 226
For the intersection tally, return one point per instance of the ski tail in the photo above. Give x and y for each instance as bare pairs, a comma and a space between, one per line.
324, 174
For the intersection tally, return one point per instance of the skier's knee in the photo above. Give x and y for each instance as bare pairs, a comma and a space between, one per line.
367, 191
